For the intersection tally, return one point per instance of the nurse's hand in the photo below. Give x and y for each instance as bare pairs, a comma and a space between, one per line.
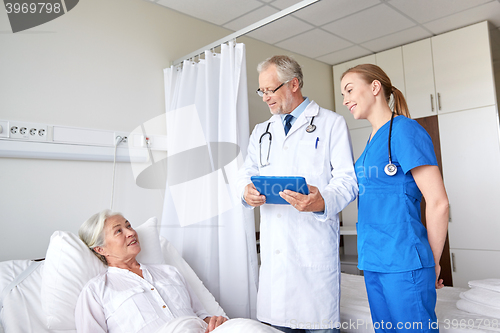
439, 282
313, 202
253, 197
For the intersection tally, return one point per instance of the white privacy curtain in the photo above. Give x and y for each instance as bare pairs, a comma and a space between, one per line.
207, 134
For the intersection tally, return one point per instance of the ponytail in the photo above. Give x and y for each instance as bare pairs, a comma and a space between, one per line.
399, 103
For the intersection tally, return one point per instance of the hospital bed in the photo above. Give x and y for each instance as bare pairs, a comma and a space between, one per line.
39, 296
355, 312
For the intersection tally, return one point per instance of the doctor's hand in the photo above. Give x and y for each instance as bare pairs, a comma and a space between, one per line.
214, 322
313, 202
253, 197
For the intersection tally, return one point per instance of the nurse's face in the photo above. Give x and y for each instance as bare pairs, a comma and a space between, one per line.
358, 95
281, 101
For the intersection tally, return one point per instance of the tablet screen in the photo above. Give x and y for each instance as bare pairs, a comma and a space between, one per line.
272, 186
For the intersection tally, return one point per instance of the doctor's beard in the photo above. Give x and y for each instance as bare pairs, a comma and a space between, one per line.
285, 107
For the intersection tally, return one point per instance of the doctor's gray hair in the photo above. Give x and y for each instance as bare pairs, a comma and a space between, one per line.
286, 67
91, 232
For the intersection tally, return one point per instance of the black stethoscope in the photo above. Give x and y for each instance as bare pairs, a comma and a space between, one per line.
390, 169
309, 129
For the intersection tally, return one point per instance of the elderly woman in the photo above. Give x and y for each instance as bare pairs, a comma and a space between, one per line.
129, 296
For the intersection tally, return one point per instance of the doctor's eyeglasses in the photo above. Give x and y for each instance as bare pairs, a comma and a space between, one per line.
269, 92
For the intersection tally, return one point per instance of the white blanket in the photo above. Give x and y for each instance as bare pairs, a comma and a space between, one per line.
482, 296
477, 308
490, 284
196, 325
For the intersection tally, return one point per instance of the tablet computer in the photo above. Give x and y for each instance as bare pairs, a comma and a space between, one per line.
271, 187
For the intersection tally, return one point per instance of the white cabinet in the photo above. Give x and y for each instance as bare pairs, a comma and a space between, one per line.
391, 62
470, 154
471, 265
450, 72
340, 108
463, 69
419, 79
359, 138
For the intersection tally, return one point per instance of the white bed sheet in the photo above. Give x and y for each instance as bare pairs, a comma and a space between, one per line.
196, 325
22, 311
355, 311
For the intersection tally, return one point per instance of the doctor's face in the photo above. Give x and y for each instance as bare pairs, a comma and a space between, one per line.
358, 95
120, 240
279, 102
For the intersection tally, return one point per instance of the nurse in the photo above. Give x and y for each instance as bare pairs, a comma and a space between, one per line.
399, 256
299, 281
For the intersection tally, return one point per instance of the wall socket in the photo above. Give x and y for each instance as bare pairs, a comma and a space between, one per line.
28, 131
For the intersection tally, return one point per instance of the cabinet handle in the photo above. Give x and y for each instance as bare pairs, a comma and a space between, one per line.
432, 103
453, 262
449, 213
439, 101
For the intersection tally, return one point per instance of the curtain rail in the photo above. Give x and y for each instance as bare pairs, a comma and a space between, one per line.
250, 28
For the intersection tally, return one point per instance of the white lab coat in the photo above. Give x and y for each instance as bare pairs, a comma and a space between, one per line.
299, 282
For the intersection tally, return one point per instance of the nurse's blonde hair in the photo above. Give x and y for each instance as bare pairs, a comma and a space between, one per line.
91, 232
370, 73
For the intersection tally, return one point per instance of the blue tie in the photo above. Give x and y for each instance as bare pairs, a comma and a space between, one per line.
288, 123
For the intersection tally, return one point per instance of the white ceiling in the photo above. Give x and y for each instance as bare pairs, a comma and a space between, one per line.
334, 31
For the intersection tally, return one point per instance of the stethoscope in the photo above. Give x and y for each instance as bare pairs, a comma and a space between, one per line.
390, 169
309, 129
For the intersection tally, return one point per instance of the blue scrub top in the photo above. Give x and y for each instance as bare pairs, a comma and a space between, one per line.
391, 236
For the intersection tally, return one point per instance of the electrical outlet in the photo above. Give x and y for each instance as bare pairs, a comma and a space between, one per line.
4, 129
122, 138
27, 131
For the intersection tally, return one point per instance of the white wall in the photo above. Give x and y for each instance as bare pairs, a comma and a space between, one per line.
99, 66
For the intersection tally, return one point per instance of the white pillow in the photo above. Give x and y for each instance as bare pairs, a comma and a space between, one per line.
173, 258
69, 265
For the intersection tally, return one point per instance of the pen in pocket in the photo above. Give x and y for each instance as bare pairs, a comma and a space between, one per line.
316, 146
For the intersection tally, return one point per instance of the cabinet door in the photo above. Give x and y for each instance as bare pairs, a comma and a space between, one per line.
471, 265
463, 69
338, 70
470, 153
419, 79
359, 138
391, 62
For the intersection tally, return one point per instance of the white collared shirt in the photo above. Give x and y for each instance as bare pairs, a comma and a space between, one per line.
121, 301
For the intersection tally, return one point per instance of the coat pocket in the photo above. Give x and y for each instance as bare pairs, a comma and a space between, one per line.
310, 157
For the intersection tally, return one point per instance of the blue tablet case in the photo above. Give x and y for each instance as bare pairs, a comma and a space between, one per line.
272, 186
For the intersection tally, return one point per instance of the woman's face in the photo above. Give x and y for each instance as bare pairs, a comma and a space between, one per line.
120, 239
358, 95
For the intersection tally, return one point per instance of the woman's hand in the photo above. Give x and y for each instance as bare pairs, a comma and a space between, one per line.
439, 282
214, 322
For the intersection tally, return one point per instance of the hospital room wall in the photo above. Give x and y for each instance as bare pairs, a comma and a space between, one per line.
99, 66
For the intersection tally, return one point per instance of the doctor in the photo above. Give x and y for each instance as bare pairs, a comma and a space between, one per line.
299, 287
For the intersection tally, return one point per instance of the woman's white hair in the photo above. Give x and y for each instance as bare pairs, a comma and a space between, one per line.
91, 232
